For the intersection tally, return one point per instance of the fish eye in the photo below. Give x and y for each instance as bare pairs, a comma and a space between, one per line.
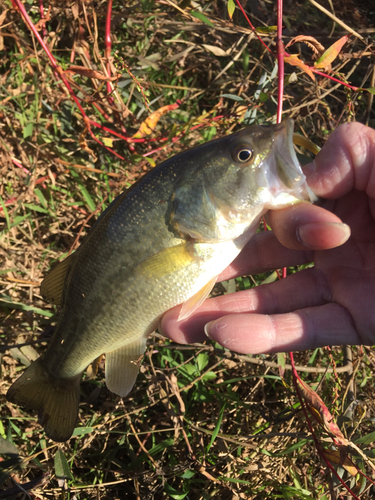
242, 154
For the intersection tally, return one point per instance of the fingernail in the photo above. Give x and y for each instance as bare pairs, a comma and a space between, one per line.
312, 235
207, 329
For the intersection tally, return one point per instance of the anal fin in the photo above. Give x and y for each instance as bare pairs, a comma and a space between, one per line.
196, 300
122, 366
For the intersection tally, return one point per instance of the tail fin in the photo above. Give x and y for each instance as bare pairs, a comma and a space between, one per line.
55, 400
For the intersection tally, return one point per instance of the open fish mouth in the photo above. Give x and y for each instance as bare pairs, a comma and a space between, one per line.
287, 181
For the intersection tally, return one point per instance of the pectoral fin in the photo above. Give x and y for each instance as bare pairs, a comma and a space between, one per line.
167, 261
196, 300
122, 367
53, 284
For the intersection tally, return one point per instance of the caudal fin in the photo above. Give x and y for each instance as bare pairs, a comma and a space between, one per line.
55, 400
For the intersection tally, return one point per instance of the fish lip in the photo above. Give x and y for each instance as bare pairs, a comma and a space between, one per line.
286, 155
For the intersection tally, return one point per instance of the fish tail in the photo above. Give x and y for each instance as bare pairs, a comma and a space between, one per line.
56, 400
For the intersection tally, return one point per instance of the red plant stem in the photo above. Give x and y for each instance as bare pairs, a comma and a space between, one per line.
352, 87
280, 61
251, 25
60, 72
18, 164
44, 178
108, 49
9, 202
41, 8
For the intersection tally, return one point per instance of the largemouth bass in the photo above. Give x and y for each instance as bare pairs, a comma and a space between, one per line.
160, 244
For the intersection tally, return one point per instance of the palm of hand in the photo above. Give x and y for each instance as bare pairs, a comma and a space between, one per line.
347, 272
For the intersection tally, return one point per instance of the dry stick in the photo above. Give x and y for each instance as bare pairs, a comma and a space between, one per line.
140, 442
234, 59
256, 361
88, 169
370, 97
350, 388
336, 19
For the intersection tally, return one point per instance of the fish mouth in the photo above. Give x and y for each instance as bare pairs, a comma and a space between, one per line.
287, 170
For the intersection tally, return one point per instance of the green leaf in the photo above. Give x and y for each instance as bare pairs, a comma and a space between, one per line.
231, 8
24, 307
232, 96
107, 141
281, 359
81, 431
270, 279
28, 130
85, 193
173, 493
371, 90
209, 376
36, 208
5, 212
217, 427
161, 446
202, 360
266, 29
202, 18
366, 440
7, 448
20, 218
188, 474
41, 197
62, 469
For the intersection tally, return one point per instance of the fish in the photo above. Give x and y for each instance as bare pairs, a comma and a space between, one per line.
160, 244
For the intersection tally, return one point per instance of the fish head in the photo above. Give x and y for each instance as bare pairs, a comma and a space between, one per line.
230, 182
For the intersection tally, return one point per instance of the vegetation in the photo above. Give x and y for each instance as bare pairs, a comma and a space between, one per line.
202, 422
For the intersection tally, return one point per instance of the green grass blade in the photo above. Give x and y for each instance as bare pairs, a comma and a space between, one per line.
217, 427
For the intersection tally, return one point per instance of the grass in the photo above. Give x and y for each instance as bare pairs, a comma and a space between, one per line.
202, 422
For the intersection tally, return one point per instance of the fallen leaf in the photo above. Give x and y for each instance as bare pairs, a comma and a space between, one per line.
310, 41
90, 73
294, 61
335, 457
148, 126
331, 53
321, 413
217, 51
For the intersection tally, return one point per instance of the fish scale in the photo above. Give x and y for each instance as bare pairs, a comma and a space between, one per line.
161, 244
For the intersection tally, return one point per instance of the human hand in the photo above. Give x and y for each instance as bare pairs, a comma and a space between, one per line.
332, 303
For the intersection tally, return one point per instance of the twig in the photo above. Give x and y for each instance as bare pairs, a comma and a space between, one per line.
336, 19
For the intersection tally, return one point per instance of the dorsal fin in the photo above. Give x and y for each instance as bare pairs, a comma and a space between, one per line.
53, 284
